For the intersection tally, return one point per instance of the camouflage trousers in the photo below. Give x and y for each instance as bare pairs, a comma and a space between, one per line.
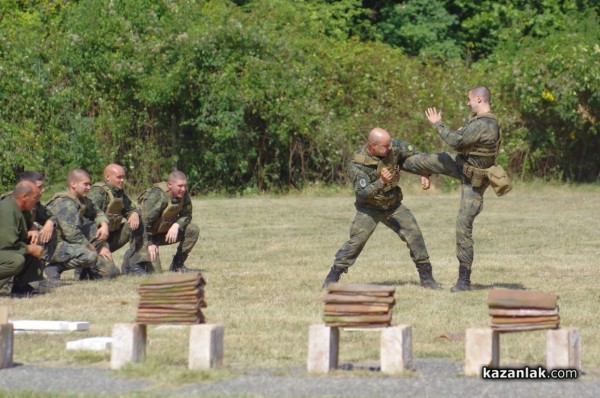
471, 198
187, 240
136, 253
73, 256
398, 219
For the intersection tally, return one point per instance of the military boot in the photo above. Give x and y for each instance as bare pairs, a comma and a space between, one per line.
333, 276
137, 269
177, 264
53, 271
426, 276
464, 279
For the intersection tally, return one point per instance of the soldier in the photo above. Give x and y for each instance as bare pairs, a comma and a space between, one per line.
16, 250
167, 216
375, 172
478, 143
81, 241
123, 219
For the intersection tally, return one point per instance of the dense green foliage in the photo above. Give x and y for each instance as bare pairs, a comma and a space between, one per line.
257, 95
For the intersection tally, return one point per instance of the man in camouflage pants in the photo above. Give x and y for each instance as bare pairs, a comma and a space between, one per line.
375, 172
477, 143
82, 231
124, 222
167, 217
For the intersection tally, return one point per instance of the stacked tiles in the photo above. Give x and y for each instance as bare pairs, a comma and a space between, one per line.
517, 310
368, 306
174, 299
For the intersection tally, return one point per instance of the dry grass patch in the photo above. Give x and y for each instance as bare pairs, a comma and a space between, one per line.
265, 258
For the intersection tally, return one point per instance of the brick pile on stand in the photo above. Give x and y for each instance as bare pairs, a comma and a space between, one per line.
174, 298
351, 305
517, 310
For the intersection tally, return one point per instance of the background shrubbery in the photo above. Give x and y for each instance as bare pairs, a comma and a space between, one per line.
272, 94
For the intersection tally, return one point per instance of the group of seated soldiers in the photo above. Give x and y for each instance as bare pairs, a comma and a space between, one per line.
79, 229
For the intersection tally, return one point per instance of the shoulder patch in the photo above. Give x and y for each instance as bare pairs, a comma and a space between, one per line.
188, 207
362, 182
410, 147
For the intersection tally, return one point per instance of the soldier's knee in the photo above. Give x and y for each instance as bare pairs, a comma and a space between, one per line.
192, 231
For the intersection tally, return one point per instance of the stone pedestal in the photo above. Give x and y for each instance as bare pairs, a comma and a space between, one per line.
3, 315
323, 348
206, 346
6, 345
128, 344
482, 348
396, 349
563, 349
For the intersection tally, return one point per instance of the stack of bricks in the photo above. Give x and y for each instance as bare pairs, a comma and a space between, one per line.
350, 305
518, 310
174, 299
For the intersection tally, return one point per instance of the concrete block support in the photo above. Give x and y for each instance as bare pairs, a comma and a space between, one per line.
563, 349
6, 345
482, 348
323, 348
128, 344
206, 346
3, 315
396, 349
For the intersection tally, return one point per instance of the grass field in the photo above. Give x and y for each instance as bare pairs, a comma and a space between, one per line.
265, 258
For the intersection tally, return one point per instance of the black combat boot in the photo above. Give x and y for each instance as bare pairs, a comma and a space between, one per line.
464, 279
137, 269
53, 271
426, 276
177, 264
333, 276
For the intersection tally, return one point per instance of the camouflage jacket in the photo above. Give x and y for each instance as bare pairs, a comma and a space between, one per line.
364, 171
39, 214
13, 228
481, 134
71, 213
105, 195
155, 202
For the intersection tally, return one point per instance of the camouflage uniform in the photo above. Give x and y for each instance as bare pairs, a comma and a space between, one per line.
117, 207
376, 202
477, 143
159, 213
75, 232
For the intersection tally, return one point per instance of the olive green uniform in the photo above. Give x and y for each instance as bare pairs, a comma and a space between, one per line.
376, 202
477, 143
75, 231
117, 207
159, 213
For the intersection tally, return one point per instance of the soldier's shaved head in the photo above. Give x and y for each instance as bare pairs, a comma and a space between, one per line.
113, 169
77, 175
379, 136
380, 142
483, 92
177, 175
114, 174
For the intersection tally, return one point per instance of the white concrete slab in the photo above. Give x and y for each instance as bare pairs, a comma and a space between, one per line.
50, 326
90, 344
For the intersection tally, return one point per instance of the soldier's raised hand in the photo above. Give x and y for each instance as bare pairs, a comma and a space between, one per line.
433, 115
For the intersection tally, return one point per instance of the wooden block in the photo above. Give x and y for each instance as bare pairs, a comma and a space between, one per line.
50, 326
3, 315
563, 349
6, 345
128, 345
482, 348
206, 346
90, 344
323, 348
396, 349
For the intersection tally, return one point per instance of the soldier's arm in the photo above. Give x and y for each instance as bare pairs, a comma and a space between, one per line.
67, 216
464, 137
152, 210
129, 207
363, 186
93, 212
10, 238
98, 197
185, 216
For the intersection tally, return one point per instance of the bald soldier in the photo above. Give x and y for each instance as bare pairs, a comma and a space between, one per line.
16, 251
375, 173
82, 231
167, 217
124, 222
